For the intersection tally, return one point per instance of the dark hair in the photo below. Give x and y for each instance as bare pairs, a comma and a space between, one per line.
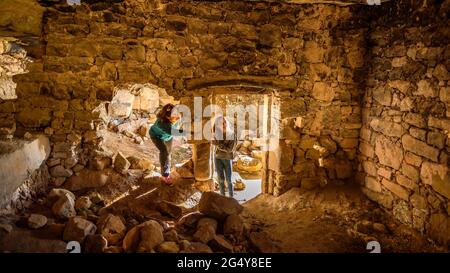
164, 113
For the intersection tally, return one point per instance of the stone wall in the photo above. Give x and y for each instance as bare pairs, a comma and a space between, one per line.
13, 61
404, 148
23, 173
311, 54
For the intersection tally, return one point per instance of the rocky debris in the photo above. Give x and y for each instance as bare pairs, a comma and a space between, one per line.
169, 208
86, 179
206, 230
6, 227
143, 131
184, 244
121, 163
168, 247
248, 164
262, 243
186, 170
121, 104
378, 227
77, 229
65, 207
83, 203
151, 235
36, 221
111, 227
96, 198
60, 171
55, 229
171, 235
239, 185
220, 244
140, 163
56, 193
196, 247
234, 225
218, 206
113, 249
144, 237
99, 163
189, 221
95, 244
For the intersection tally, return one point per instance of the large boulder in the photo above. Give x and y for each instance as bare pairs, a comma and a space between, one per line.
86, 179
65, 207
171, 235
220, 244
83, 203
170, 209
36, 221
151, 236
121, 163
95, 244
189, 221
77, 229
143, 237
137, 163
206, 230
147, 98
168, 247
56, 193
186, 170
111, 227
218, 206
234, 225
248, 164
122, 104
197, 247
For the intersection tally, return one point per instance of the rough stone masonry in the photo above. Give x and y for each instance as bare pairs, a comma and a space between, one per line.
364, 90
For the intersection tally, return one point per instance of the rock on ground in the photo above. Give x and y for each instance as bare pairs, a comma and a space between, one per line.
151, 234
77, 229
220, 244
170, 209
86, 179
234, 225
56, 193
206, 230
218, 206
143, 237
36, 221
83, 203
111, 227
168, 247
65, 207
121, 163
95, 244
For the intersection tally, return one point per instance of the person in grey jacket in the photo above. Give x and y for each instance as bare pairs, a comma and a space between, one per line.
225, 142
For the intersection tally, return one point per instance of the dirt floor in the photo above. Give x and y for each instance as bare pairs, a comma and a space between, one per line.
335, 219
331, 220
114, 142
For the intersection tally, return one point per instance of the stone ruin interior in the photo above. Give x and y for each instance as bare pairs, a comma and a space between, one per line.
363, 92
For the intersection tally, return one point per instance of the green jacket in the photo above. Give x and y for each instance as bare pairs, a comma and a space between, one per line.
162, 130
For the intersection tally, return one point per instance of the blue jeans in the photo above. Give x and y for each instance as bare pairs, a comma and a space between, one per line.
224, 171
164, 147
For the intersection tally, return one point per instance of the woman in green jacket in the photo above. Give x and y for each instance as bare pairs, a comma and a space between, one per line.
161, 133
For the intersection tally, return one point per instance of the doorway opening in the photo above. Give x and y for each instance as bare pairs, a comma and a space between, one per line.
250, 111
128, 118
